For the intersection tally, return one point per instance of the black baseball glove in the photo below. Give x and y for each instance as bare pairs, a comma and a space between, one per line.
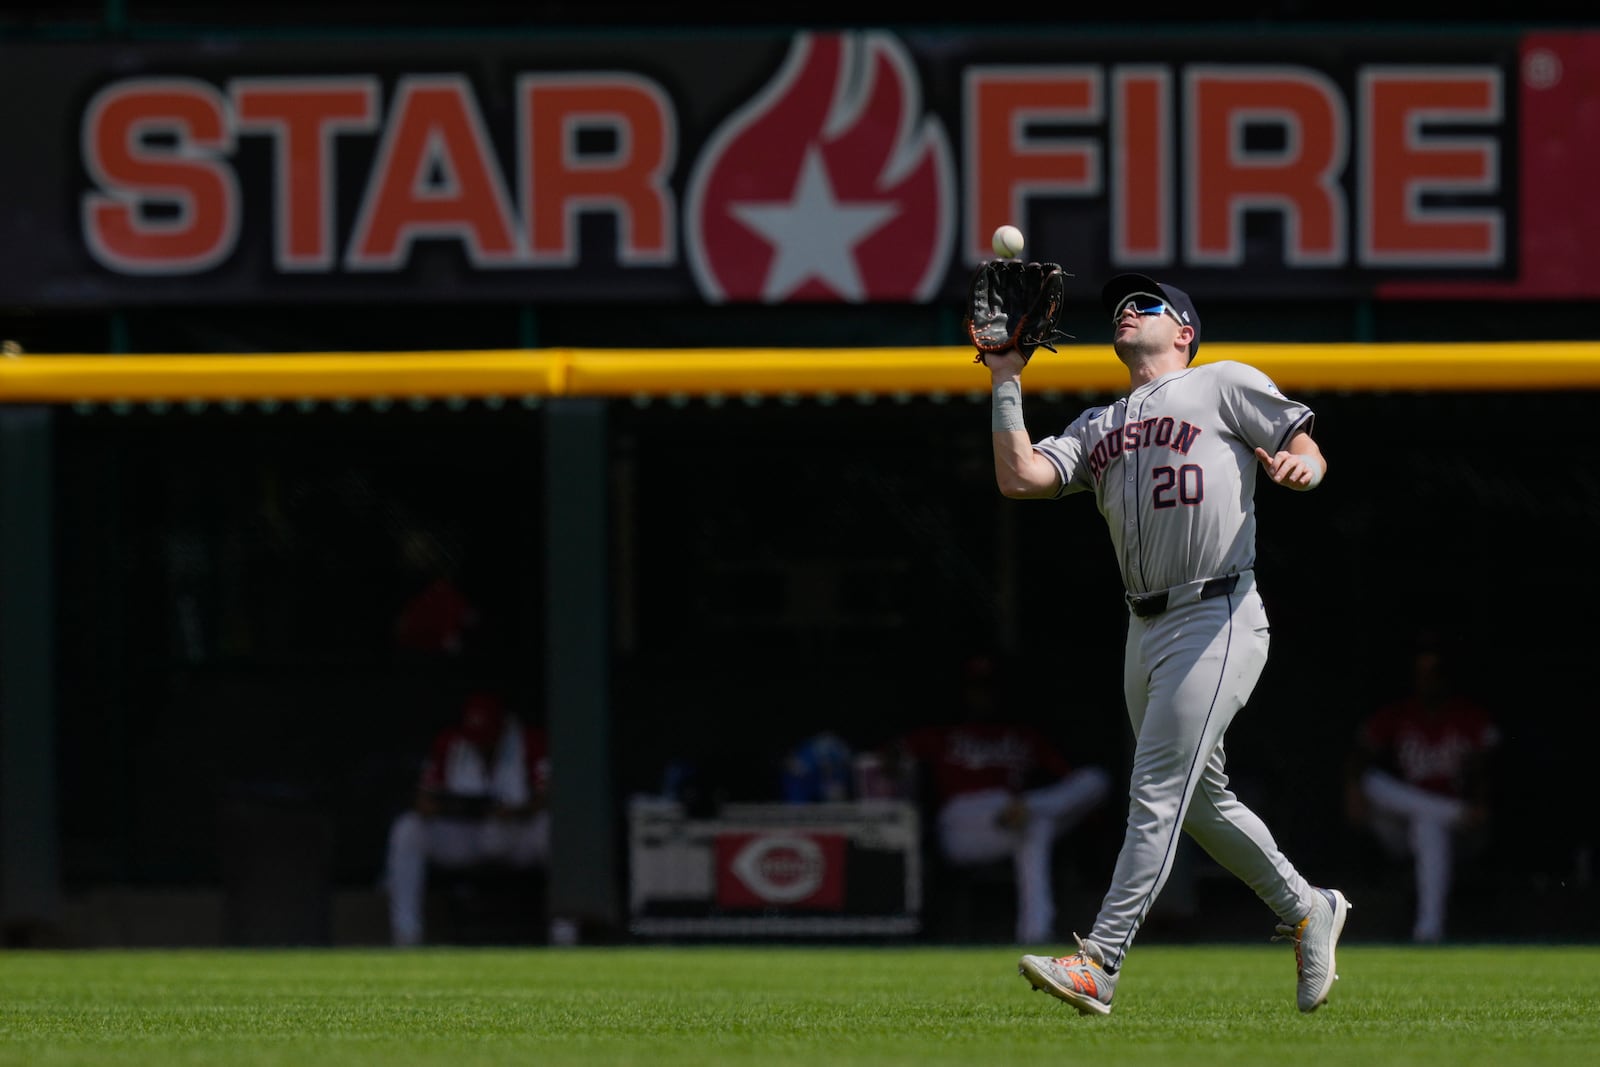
1013, 304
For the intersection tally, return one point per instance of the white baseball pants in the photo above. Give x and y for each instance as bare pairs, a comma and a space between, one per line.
970, 833
1414, 822
1187, 673
416, 840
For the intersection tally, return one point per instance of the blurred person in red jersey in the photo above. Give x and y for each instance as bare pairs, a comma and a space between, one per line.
480, 800
1001, 788
1418, 780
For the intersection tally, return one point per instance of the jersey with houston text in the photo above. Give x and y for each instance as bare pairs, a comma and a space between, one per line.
1173, 469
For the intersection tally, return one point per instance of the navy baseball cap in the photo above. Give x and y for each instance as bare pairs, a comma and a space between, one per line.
1123, 286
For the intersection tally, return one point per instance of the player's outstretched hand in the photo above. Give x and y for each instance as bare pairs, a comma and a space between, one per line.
1287, 468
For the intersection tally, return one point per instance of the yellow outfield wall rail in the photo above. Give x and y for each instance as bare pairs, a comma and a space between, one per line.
861, 372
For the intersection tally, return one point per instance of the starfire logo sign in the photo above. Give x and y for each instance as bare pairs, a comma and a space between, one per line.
834, 183
830, 185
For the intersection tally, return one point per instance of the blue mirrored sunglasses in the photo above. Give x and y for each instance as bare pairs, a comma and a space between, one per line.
1146, 304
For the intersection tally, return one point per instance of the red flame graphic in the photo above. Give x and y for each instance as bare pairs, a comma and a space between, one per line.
826, 187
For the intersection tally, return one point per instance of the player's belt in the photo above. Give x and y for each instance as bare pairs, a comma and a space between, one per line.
1145, 605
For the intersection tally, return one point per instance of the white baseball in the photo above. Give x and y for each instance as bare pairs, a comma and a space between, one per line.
1007, 242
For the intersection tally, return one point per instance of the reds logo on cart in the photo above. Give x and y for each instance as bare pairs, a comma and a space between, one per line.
763, 870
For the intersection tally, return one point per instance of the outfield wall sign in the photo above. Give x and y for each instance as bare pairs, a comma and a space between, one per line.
827, 167
824, 870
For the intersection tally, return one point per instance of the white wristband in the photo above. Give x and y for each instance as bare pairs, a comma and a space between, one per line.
1006, 413
1317, 471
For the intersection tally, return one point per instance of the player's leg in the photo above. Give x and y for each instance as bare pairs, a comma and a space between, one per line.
529, 844
1052, 810
406, 868
1427, 821
1224, 826
415, 842
1239, 840
1186, 675
1036, 903
496, 838
1431, 848
970, 830
1312, 918
457, 842
1087, 978
1385, 792
1062, 805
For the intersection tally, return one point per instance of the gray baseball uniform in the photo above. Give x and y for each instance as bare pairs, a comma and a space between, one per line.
1173, 470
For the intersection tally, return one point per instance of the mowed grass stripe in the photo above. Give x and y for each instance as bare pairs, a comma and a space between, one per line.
1228, 1004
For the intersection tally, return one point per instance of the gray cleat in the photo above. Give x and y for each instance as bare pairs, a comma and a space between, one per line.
1314, 939
1079, 979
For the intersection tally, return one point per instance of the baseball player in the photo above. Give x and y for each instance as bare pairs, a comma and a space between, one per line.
1172, 467
1419, 777
480, 798
1002, 789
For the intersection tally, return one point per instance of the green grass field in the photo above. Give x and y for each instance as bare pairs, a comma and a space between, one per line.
1231, 1004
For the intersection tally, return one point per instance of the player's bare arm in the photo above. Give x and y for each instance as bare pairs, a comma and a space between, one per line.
1019, 471
1300, 466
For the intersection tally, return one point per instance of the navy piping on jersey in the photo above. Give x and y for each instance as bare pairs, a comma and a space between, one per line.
1061, 473
1138, 519
1288, 435
1188, 795
1138, 513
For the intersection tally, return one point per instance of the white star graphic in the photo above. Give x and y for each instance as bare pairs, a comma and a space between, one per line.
813, 234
